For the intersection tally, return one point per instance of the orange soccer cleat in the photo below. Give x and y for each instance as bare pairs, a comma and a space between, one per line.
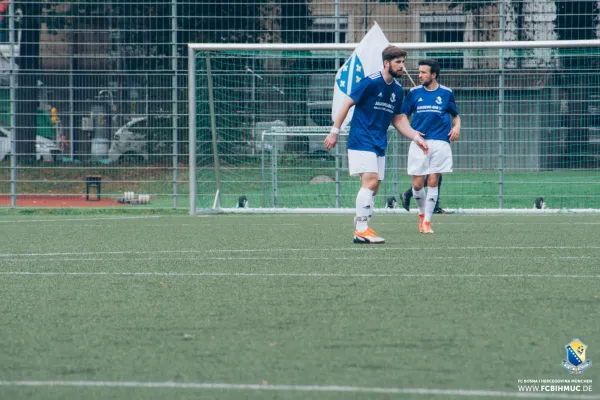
427, 227
369, 236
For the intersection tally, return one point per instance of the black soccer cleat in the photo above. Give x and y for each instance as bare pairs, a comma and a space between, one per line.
405, 201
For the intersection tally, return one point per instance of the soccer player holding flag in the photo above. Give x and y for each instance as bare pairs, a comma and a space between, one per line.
377, 101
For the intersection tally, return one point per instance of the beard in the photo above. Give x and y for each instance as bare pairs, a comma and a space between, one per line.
426, 83
395, 74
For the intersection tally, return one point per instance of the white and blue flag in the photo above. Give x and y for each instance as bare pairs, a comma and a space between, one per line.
365, 60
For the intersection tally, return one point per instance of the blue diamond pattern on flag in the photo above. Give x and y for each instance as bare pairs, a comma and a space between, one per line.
365, 60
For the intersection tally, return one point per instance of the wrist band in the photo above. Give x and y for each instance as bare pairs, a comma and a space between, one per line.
416, 138
335, 130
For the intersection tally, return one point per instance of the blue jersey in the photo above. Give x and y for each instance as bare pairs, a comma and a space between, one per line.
376, 104
432, 110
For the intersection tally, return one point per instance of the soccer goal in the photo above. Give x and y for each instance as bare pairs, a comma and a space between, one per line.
258, 115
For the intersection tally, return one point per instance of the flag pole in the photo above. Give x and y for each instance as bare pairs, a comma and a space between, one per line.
409, 78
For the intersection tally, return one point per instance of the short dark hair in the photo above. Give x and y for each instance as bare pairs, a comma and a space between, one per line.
391, 52
433, 64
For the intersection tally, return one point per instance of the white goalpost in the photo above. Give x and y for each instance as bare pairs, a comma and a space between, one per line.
258, 115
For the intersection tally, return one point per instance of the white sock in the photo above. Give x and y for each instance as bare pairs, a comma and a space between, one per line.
419, 196
370, 216
432, 196
364, 201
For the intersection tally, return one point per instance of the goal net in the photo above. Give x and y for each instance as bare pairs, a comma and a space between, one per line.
530, 127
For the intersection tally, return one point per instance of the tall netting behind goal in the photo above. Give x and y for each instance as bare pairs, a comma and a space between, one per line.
530, 126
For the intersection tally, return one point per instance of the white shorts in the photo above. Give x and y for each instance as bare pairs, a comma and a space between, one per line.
438, 160
365, 161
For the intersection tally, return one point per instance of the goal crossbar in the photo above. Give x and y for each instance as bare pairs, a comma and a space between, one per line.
193, 47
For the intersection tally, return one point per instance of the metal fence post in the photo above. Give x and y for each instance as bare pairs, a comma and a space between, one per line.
192, 127
396, 166
13, 97
262, 169
501, 111
274, 171
175, 108
338, 187
213, 127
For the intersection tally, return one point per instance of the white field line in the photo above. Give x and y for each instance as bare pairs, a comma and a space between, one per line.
343, 212
356, 249
400, 223
384, 248
406, 221
383, 211
370, 258
294, 274
90, 219
300, 388
220, 220
403, 222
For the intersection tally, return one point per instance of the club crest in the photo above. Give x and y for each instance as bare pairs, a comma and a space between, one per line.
576, 362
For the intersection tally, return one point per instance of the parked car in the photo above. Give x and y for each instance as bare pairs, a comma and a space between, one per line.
141, 139
45, 149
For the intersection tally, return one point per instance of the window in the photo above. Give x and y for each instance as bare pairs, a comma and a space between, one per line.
323, 29
322, 67
575, 20
444, 29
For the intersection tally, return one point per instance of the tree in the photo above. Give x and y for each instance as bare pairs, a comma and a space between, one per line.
140, 32
143, 28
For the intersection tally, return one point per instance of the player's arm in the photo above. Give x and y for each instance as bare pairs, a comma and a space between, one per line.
332, 138
453, 111
402, 125
400, 122
455, 131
